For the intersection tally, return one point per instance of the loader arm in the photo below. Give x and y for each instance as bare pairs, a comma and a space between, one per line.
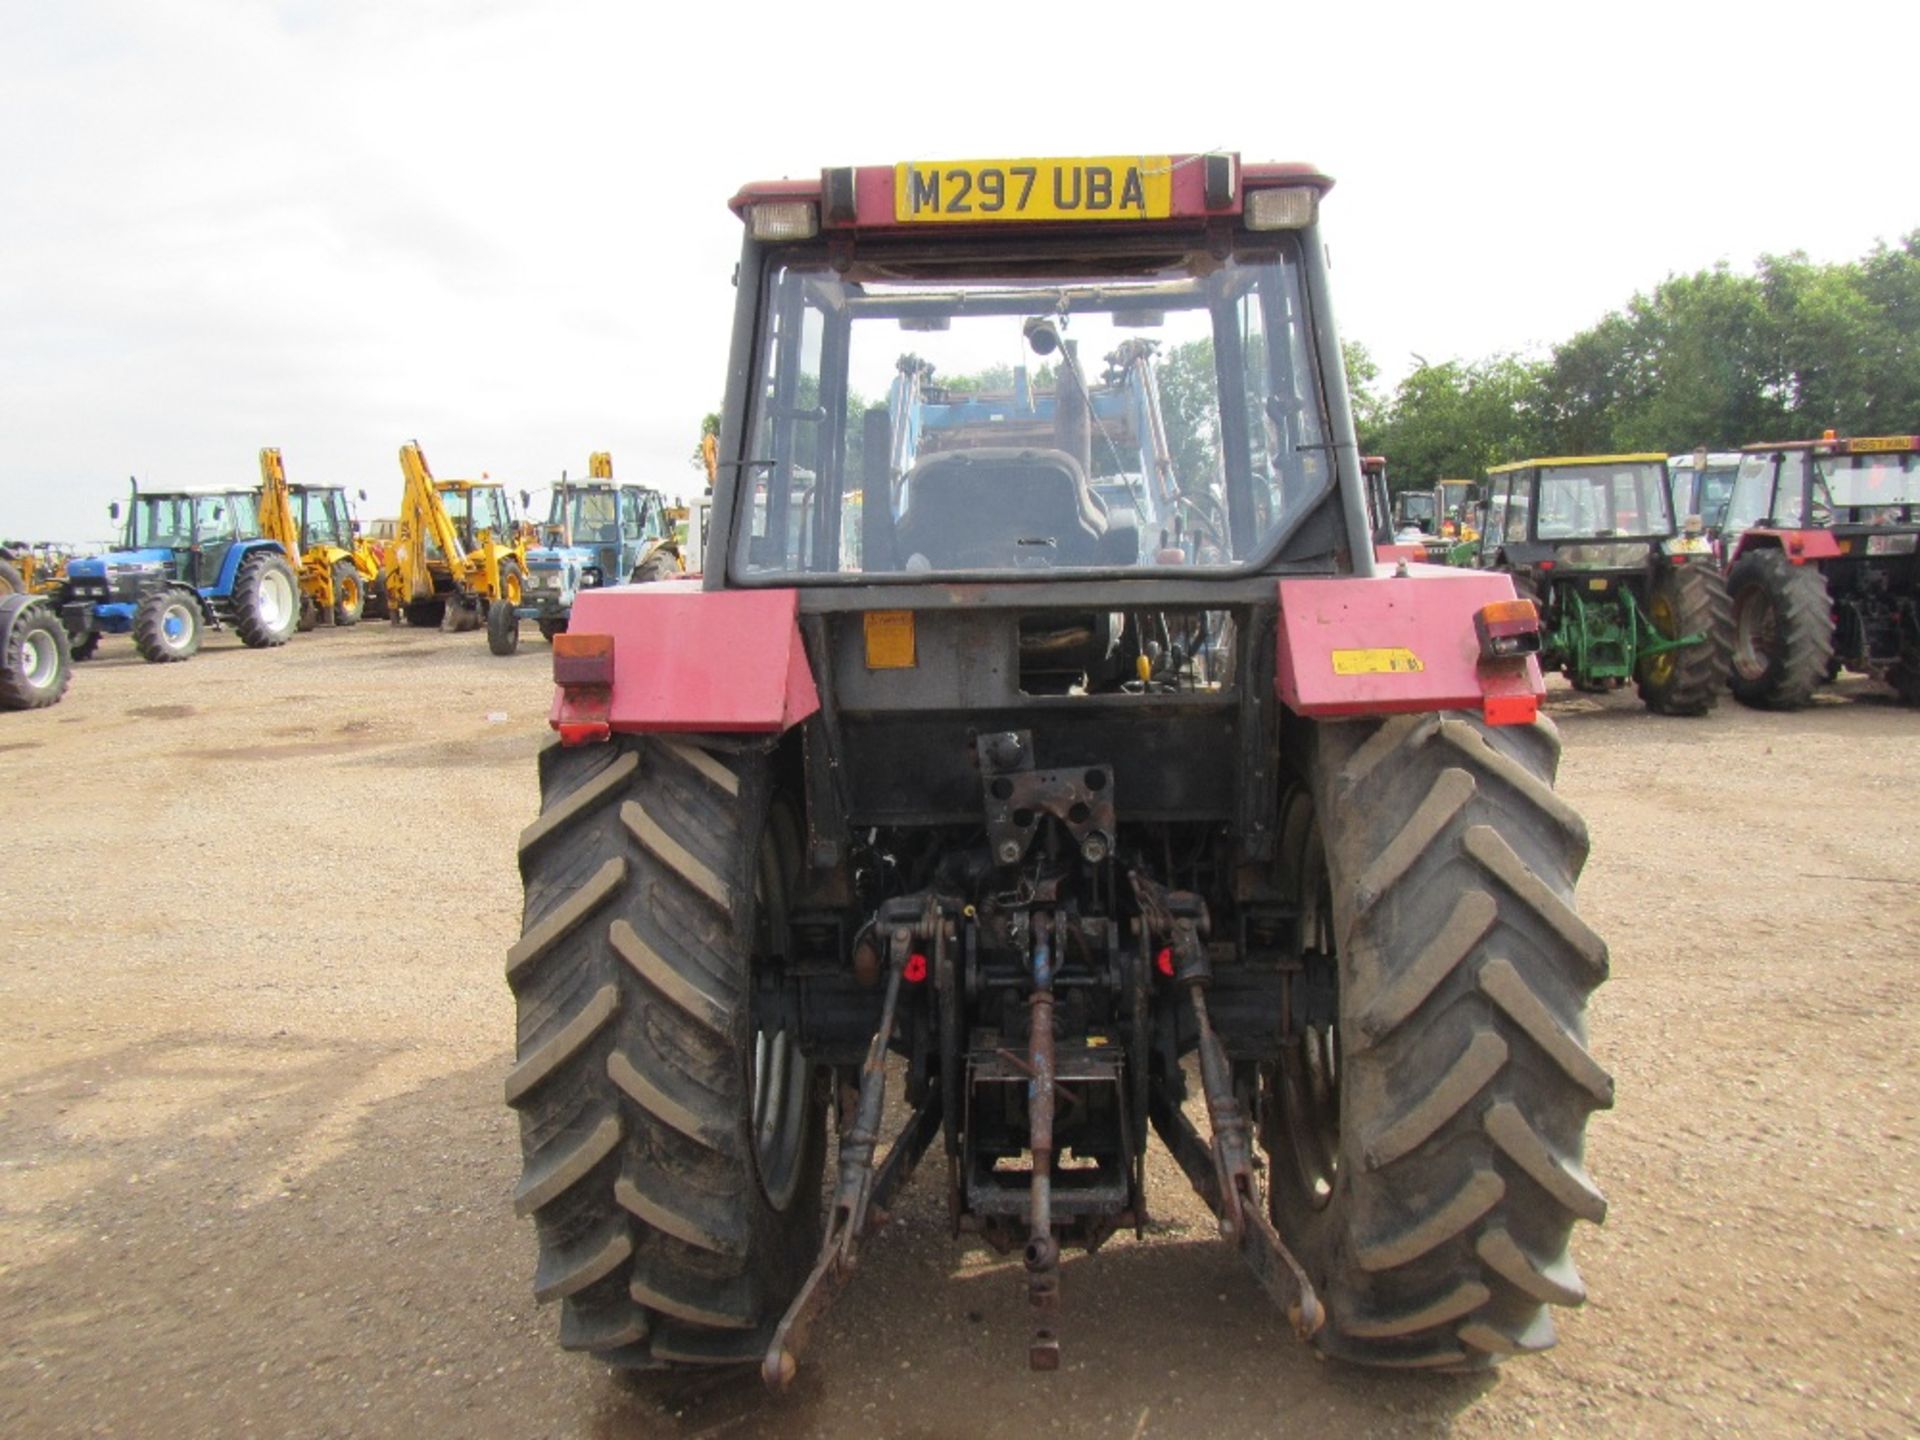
424, 518
276, 507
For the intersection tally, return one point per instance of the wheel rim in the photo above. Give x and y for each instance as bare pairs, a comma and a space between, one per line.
1307, 1079
350, 595
1756, 633
176, 626
510, 586
779, 1077
39, 660
780, 1080
275, 603
1660, 612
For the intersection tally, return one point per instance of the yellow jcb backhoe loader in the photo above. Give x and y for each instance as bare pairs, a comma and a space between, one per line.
337, 573
455, 551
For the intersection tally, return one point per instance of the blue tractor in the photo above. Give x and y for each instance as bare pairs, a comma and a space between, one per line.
598, 532
194, 561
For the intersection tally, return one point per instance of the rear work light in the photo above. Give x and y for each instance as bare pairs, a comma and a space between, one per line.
1508, 630
1287, 207
784, 220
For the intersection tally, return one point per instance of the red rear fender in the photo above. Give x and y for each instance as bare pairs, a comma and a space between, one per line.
1800, 545
687, 659
1397, 644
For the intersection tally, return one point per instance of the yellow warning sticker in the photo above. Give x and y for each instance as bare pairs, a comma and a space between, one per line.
1394, 660
890, 640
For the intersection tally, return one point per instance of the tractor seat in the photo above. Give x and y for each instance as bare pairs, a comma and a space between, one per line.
1003, 508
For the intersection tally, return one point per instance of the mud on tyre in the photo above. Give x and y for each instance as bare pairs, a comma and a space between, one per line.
670, 1232
1430, 1175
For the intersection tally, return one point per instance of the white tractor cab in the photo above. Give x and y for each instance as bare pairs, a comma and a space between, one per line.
1700, 484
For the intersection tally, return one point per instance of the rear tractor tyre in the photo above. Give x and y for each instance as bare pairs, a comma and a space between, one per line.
38, 664
10, 581
426, 614
266, 600
1688, 600
376, 592
672, 1149
167, 625
503, 628
1782, 630
1426, 1125
309, 614
349, 594
86, 646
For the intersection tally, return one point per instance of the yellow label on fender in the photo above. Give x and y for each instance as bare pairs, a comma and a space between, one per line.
890, 640
1393, 661
1115, 187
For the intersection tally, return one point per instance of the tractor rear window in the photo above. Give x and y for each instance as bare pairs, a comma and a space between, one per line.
1154, 417
1594, 502
1871, 483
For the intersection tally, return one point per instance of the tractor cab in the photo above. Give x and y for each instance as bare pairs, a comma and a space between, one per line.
321, 513
1624, 593
1418, 510
1701, 484
1824, 542
603, 529
166, 536
596, 533
479, 511
1457, 502
196, 530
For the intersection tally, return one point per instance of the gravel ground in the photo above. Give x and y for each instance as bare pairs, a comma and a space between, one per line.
254, 1164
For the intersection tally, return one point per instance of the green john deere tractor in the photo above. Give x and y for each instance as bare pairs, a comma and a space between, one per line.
1623, 593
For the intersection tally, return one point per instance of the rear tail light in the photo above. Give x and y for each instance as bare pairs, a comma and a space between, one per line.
582, 660
1508, 630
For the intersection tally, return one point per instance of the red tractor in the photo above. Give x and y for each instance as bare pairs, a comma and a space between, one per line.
1050, 786
1823, 537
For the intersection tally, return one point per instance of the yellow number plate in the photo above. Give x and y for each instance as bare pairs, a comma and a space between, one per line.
1124, 187
1394, 661
1882, 442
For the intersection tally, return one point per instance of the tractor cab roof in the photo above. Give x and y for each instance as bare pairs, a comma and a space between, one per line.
1831, 445
1134, 191
193, 492
1555, 462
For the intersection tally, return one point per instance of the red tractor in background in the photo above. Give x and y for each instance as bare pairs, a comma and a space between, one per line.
1052, 790
1823, 540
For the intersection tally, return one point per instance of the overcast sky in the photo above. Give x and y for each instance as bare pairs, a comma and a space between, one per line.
500, 228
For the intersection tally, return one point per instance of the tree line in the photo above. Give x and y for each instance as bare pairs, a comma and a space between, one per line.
1716, 358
